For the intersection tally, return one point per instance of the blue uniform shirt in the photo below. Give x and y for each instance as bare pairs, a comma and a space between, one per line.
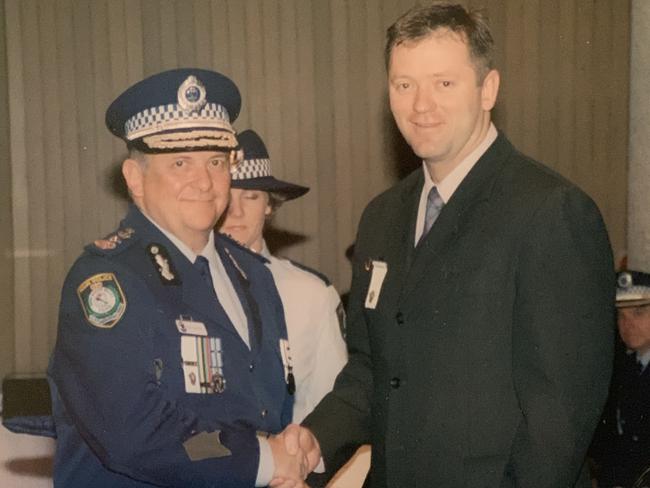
151, 383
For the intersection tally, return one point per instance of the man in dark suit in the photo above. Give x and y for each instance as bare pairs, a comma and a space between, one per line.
621, 446
481, 307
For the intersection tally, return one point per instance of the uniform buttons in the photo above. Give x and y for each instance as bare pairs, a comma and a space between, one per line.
251, 366
264, 413
635, 438
399, 317
394, 383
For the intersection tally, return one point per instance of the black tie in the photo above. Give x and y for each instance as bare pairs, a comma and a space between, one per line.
202, 265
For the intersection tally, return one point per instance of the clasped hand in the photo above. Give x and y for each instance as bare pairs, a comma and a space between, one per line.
296, 453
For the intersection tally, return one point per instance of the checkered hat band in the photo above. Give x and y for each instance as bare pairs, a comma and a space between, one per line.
252, 168
172, 116
633, 293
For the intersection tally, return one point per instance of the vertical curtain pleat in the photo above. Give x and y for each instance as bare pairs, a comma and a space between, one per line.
313, 85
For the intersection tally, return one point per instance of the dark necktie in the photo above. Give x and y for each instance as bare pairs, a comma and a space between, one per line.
434, 206
203, 266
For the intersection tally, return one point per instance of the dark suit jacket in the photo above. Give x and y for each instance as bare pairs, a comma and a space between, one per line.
623, 454
487, 359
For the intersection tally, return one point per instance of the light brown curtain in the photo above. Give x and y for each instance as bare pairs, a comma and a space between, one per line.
313, 85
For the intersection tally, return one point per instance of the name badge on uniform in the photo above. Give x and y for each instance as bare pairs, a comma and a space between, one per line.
379, 270
186, 325
202, 364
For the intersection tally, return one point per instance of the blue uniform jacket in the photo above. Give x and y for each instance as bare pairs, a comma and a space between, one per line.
122, 413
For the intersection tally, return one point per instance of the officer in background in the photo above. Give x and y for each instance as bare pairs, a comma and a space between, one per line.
168, 367
312, 307
621, 446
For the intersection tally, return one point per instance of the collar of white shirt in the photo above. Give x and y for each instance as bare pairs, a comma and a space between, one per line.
223, 287
452, 181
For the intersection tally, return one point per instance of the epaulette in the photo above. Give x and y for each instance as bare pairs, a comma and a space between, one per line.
229, 241
113, 243
318, 274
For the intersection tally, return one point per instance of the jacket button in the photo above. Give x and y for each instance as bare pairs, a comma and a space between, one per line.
394, 383
264, 413
399, 317
251, 366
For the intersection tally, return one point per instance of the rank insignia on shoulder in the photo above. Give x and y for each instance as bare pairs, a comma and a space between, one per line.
113, 240
102, 300
160, 259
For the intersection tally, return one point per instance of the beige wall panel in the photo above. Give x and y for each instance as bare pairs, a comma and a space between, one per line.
7, 336
344, 100
169, 46
324, 122
304, 101
313, 84
19, 179
53, 191
35, 169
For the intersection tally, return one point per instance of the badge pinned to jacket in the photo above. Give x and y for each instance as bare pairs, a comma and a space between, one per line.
163, 264
202, 364
378, 270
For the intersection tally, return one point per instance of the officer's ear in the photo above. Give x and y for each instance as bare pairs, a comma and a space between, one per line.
133, 172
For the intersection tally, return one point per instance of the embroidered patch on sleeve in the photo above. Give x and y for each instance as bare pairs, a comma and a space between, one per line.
102, 300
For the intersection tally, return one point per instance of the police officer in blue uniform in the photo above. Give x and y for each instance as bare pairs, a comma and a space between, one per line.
168, 366
621, 445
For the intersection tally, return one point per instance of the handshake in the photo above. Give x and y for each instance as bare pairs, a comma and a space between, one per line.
296, 453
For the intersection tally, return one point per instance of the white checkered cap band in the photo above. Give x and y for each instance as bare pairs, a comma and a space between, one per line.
252, 168
168, 117
633, 293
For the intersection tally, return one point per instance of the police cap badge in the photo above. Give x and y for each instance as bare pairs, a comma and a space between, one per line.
632, 289
184, 109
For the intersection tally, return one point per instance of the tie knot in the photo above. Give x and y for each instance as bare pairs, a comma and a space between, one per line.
434, 199
202, 265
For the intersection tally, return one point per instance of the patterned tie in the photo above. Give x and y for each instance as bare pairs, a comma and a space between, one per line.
434, 206
203, 266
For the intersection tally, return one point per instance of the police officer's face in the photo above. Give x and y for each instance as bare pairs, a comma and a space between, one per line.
634, 327
184, 193
245, 217
439, 104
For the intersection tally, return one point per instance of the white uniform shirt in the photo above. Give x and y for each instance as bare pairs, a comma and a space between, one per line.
318, 351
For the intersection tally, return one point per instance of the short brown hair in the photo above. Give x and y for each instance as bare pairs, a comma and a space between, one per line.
420, 21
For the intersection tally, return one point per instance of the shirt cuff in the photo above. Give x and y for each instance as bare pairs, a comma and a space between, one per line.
266, 466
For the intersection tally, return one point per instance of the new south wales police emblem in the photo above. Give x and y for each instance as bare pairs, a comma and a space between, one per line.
102, 300
191, 95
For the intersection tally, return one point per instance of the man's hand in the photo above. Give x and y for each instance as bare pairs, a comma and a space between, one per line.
290, 468
296, 439
295, 445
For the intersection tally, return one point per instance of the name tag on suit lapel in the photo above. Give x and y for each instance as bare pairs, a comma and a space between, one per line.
379, 270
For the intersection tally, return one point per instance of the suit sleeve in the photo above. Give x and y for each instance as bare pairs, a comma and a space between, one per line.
341, 421
106, 379
562, 338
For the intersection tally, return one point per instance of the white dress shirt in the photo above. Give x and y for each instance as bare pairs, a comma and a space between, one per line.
450, 183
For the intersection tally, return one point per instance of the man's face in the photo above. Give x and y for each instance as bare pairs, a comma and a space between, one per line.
634, 327
184, 193
244, 220
439, 105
